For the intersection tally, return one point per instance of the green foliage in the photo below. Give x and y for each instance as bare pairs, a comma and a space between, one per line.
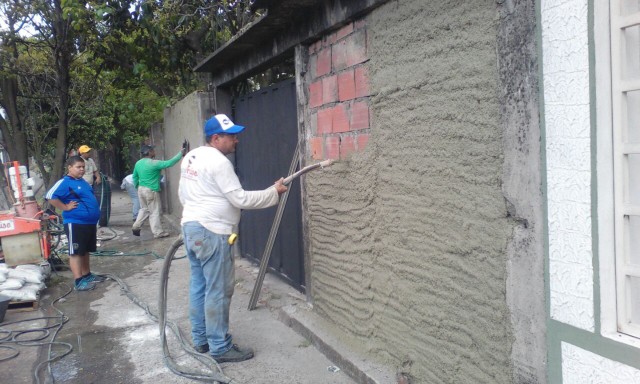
128, 59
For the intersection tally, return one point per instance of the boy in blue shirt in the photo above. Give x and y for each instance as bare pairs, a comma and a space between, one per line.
80, 214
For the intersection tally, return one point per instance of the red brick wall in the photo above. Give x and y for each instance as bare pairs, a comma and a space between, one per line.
339, 93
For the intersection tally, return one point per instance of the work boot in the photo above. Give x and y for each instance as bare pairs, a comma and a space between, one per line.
204, 348
234, 355
136, 232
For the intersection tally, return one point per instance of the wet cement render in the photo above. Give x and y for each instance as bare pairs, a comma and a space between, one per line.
116, 341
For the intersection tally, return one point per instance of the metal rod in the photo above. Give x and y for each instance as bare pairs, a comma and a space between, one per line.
264, 262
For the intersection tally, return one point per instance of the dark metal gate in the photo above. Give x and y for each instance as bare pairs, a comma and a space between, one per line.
263, 155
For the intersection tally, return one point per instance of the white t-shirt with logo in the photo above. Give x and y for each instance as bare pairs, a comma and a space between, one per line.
211, 194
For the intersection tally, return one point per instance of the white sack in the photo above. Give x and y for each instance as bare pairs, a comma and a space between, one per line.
44, 268
12, 284
20, 295
34, 287
29, 276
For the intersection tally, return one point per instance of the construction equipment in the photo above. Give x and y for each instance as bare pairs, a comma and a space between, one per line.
25, 230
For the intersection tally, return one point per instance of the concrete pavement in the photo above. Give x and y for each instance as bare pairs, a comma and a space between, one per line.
116, 341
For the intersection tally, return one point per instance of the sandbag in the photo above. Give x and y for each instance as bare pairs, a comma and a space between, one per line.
33, 287
44, 268
28, 275
12, 284
20, 295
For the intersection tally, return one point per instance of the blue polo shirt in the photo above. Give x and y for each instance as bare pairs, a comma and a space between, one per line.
69, 189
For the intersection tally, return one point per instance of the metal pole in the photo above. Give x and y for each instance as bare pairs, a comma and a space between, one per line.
264, 262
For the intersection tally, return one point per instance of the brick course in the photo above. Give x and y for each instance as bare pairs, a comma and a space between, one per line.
339, 93
361, 78
329, 89
340, 119
346, 85
359, 115
344, 31
332, 147
316, 144
356, 48
315, 94
347, 146
323, 62
324, 121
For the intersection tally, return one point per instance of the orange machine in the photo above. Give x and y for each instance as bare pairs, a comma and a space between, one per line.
23, 230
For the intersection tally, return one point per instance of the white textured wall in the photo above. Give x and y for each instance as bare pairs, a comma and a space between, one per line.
583, 367
566, 108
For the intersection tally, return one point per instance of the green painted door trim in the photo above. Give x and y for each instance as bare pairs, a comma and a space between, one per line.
554, 370
594, 168
595, 343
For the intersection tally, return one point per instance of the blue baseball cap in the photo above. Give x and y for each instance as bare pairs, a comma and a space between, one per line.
221, 124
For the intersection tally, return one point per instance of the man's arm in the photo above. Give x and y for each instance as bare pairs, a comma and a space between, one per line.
162, 164
242, 199
96, 173
135, 177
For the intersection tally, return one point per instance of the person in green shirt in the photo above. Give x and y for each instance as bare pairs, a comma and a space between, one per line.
146, 179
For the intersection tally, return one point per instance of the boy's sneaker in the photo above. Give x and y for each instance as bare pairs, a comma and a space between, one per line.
234, 355
85, 285
95, 278
204, 348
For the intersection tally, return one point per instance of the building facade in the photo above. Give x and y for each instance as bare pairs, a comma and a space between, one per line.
480, 223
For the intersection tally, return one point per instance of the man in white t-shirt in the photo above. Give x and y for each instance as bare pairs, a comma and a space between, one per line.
212, 197
90, 167
127, 184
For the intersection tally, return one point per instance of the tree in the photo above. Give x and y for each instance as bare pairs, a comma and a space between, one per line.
100, 71
11, 124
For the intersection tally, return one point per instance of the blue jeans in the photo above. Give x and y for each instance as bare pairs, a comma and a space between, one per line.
135, 202
211, 287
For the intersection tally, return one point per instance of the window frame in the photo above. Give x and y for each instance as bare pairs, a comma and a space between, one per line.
612, 120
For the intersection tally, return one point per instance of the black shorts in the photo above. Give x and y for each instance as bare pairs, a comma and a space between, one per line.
82, 238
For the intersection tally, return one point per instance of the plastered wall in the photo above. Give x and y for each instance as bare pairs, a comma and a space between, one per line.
413, 240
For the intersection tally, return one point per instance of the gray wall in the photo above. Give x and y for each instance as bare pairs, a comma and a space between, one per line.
426, 249
521, 185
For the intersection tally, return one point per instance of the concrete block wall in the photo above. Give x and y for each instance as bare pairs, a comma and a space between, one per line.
339, 93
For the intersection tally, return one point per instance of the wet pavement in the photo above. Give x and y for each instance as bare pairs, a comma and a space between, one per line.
114, 340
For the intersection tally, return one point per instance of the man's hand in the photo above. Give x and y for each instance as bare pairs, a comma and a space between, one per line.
185, 147
280, 188
71, 205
